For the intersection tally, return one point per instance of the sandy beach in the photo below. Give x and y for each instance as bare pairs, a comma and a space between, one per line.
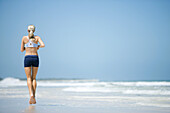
77, 97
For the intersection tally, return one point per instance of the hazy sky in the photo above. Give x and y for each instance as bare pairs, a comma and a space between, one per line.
95, 39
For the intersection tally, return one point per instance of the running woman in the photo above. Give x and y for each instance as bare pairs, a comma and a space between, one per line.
31, 61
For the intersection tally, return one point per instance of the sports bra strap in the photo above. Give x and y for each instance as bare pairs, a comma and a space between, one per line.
30, 43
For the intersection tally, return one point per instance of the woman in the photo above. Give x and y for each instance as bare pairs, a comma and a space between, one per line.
31, 60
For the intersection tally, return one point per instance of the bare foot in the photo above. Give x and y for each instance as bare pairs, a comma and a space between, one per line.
31, 100
34, 101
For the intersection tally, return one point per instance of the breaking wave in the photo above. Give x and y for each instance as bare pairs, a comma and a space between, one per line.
125, 88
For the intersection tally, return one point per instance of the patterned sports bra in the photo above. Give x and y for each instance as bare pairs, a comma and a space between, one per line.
30, 43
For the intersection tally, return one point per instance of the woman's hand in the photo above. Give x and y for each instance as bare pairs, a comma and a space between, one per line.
38, 47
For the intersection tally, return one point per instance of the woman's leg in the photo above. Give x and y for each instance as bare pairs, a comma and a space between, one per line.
29, 79
34, 73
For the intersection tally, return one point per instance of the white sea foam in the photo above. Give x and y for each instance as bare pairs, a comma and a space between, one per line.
154, 104
40, 83
9, 81
86, 89
146, 92
117, 90
162, 83
126, 88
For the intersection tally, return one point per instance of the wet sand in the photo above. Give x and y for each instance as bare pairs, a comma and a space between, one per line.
54, 100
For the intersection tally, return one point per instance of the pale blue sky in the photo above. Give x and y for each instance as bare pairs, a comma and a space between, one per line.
94, 39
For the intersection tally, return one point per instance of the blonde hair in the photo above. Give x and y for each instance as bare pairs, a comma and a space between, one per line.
31, 26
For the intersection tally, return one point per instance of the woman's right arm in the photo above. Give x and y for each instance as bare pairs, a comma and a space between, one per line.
22, 45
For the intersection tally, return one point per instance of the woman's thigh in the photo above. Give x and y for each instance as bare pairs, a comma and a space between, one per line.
34, 72
28, 71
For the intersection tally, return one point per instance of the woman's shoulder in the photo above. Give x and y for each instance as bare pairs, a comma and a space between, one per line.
24, 37
36, 36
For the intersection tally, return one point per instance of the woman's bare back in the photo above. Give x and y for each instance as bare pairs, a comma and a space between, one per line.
31, 50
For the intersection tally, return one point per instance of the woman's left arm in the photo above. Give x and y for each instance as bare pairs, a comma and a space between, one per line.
22, 45
41, 43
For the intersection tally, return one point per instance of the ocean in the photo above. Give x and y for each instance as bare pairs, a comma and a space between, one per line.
153, 95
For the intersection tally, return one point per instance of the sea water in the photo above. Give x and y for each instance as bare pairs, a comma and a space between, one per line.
88, 93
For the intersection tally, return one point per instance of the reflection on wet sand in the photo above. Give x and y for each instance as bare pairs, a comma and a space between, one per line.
30, 109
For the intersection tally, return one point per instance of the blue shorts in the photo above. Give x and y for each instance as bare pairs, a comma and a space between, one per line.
31, 60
